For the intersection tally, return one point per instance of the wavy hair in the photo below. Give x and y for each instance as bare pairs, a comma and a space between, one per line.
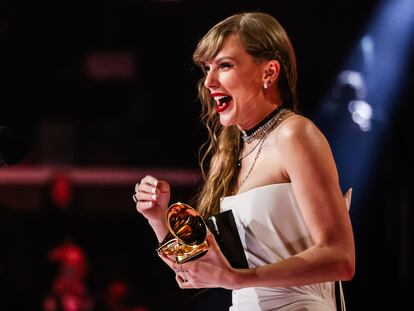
264, 39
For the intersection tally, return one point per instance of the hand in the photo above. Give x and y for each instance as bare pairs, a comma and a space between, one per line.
152, 197
209, 271
347, 197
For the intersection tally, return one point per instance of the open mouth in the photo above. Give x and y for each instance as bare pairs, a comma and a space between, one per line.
222, 103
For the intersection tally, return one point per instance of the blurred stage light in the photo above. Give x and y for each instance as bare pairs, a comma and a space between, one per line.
110, 65
351, 81
361, 113
356, 114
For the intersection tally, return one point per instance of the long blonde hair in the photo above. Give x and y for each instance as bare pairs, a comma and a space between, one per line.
264, 39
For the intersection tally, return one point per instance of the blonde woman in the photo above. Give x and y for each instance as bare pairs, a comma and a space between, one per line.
272, 167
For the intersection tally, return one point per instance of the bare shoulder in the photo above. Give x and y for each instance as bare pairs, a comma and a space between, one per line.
298, 129
304, 150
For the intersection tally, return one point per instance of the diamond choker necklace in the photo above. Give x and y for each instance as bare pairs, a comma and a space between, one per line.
256, 131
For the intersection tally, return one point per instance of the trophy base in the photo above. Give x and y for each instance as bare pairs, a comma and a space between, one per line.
197, 252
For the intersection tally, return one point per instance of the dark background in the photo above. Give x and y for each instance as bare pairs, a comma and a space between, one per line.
149, 118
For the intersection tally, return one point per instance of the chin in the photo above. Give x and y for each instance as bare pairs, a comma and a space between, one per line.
226, 121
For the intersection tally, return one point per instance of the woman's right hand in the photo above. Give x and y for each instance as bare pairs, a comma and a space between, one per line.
152, 197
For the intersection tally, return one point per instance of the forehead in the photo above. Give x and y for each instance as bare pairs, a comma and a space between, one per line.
231, 48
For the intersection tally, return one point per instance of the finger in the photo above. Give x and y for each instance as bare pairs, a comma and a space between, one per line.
143, 205
347, 197
187, 266
150, 180
183, 276
183, 281
214, 247
180, 280
141, 196
147, 188
211, 240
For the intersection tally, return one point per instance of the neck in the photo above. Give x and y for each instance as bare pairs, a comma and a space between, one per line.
265, 122
262, 108
259, 117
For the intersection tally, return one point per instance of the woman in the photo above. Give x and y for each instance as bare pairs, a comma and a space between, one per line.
272, 167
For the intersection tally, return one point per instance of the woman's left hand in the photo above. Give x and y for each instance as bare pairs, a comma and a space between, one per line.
208, 271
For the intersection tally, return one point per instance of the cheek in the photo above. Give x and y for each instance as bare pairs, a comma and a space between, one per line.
230, 82
242, 86
248, 90
248, 83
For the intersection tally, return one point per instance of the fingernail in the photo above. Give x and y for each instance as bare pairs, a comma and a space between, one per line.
155, 183
150, 203
154, 197
154, 190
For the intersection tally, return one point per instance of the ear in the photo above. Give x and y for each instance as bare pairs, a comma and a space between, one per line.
271, 70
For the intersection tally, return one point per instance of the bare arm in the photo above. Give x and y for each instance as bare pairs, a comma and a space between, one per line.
308, 163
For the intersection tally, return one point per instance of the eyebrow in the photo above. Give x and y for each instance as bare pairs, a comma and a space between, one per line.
218, 60
223, 58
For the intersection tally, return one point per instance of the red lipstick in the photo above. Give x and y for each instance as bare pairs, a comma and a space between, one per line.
222, 107
222, 101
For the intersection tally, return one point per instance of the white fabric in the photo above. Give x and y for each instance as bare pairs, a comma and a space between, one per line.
271, 228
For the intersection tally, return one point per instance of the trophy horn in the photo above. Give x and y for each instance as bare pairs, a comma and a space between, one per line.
186, 239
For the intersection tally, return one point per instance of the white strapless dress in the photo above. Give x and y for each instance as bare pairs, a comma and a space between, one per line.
271, 228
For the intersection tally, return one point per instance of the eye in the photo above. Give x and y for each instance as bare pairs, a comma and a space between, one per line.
225, 65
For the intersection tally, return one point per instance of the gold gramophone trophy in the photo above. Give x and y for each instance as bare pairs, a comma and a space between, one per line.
186, 239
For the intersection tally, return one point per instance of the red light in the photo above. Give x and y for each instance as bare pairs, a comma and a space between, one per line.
61, 191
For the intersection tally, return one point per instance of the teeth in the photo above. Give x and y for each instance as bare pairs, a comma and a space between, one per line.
219, 97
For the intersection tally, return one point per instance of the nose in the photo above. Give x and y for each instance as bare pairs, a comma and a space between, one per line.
211, 81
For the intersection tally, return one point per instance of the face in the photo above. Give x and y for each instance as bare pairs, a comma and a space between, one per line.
235, 81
